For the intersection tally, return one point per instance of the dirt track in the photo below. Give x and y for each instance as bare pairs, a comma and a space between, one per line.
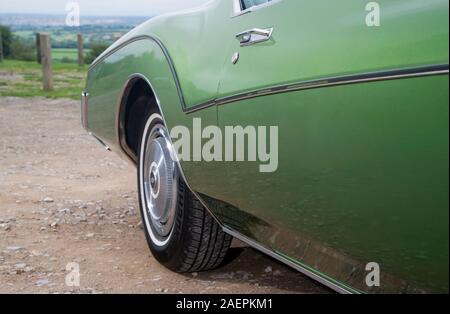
64, 199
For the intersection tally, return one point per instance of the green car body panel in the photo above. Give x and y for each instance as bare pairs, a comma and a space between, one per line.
363, 129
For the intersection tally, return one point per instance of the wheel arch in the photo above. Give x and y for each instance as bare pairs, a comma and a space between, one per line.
137, 85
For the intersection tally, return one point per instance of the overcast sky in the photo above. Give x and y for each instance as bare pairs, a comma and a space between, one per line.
98, 7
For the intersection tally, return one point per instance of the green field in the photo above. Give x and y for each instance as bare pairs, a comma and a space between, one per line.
24, 79
66, 54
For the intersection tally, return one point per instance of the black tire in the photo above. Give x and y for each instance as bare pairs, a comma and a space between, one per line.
196, 242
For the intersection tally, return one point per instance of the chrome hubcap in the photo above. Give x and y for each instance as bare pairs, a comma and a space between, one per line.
160, 178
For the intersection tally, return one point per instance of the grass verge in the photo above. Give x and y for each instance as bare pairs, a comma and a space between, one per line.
24, 79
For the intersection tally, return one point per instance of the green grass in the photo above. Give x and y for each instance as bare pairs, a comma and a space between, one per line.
58, 54
24, 79
24, 34
61, 53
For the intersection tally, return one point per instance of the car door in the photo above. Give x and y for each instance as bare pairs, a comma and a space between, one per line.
304, 68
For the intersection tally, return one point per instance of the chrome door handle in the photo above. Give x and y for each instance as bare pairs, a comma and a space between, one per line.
254, 36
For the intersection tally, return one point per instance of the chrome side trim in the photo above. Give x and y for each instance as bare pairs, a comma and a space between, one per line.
200, 106
336, 81
440, 69
286, 261
100, 141
85, 119
121, 136
84, 109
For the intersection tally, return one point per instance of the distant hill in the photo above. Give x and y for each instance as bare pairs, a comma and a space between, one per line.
95, 29
18, 21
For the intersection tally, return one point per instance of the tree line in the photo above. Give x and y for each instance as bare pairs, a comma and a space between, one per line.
17, 48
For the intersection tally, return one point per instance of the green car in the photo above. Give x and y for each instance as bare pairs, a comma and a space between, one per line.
351, 101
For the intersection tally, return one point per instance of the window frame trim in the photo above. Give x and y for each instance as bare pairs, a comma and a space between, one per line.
238, 11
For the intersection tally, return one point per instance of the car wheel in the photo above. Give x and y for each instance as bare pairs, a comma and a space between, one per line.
181, 233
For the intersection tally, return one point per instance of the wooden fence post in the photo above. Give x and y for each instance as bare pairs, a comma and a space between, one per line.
80, 50
1, 47
46, 60
38, 48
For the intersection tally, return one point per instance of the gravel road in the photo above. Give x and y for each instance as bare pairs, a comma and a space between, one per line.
64, 200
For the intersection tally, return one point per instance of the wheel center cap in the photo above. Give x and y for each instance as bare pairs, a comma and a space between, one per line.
153, 179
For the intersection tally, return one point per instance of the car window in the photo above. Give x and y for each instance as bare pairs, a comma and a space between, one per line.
251, 3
